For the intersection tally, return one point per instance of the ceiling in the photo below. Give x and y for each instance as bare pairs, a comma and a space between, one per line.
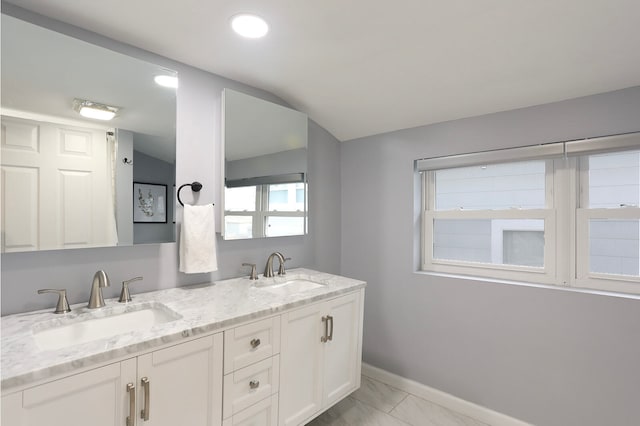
362, 67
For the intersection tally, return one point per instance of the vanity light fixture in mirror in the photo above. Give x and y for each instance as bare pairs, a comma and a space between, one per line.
90, 109
265, 168
67, 179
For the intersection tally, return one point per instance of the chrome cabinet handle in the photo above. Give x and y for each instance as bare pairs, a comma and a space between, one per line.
330, 336
255, 343
254, 384
131, 388
144, 413
325, 338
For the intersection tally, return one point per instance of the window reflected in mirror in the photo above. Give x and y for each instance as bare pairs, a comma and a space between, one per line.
265, 168
268, 210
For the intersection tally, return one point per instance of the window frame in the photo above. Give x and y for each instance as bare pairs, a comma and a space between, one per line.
546, 274
583, 214
261, 212
566, 247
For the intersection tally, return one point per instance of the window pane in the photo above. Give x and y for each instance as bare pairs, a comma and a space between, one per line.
286, 197
278, 226
614, 179
492, 187
614, 246
496, 241
524, 248
238, 227
240, 199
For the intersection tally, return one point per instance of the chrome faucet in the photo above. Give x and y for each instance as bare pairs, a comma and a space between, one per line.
268, 269
100, 281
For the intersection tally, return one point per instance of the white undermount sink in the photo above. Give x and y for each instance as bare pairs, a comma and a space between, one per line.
87, 327
294, 285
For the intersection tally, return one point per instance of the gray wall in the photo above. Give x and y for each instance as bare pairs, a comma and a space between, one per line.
546, 356
197, 159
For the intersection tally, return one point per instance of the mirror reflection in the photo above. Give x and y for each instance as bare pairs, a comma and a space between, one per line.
265, 168
81, 126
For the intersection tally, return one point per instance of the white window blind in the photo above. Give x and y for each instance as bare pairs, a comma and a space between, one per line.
602, 144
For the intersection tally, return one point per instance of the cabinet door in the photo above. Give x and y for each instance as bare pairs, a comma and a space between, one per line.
341, 352
95, 397
301, 365
184, 384
11, 410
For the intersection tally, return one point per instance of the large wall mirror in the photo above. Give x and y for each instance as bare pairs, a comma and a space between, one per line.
72, 180
265, 168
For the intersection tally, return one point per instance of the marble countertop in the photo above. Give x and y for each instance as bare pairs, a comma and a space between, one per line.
201, 309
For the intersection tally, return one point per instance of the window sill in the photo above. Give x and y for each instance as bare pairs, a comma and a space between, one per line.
534, 285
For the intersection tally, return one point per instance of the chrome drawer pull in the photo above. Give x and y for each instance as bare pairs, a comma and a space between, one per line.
330, 336
131, 388
255, 343
325, 338
254, 384
144, 413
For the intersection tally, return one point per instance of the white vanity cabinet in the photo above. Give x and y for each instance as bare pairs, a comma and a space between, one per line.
284, 367
320, 355
183, 386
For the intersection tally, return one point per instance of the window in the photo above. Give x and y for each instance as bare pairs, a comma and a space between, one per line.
608, 221
564, 213
276, 210
495, 218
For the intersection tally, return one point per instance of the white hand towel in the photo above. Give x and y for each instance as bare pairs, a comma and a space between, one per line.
198, 240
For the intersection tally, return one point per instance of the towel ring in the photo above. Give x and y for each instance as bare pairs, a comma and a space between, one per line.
195, 187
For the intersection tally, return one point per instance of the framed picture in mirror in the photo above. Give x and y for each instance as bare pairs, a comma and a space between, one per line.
149, 203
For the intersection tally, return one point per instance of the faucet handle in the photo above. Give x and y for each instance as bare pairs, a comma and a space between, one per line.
253, 275
281, 270
125, 296
62, 307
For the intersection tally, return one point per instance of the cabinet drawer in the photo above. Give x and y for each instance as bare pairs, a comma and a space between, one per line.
251, 343
249, 385
264, 413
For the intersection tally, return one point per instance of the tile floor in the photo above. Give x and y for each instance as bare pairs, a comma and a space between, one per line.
378, 404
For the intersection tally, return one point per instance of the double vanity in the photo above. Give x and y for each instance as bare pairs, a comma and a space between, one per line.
271, 351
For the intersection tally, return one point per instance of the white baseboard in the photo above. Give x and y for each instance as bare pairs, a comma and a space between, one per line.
444, 399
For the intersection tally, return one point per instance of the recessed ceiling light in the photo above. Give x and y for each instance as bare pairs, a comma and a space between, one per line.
90, 109
250, 26
166, 81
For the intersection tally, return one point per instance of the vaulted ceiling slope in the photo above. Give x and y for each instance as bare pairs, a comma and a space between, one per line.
362, 67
